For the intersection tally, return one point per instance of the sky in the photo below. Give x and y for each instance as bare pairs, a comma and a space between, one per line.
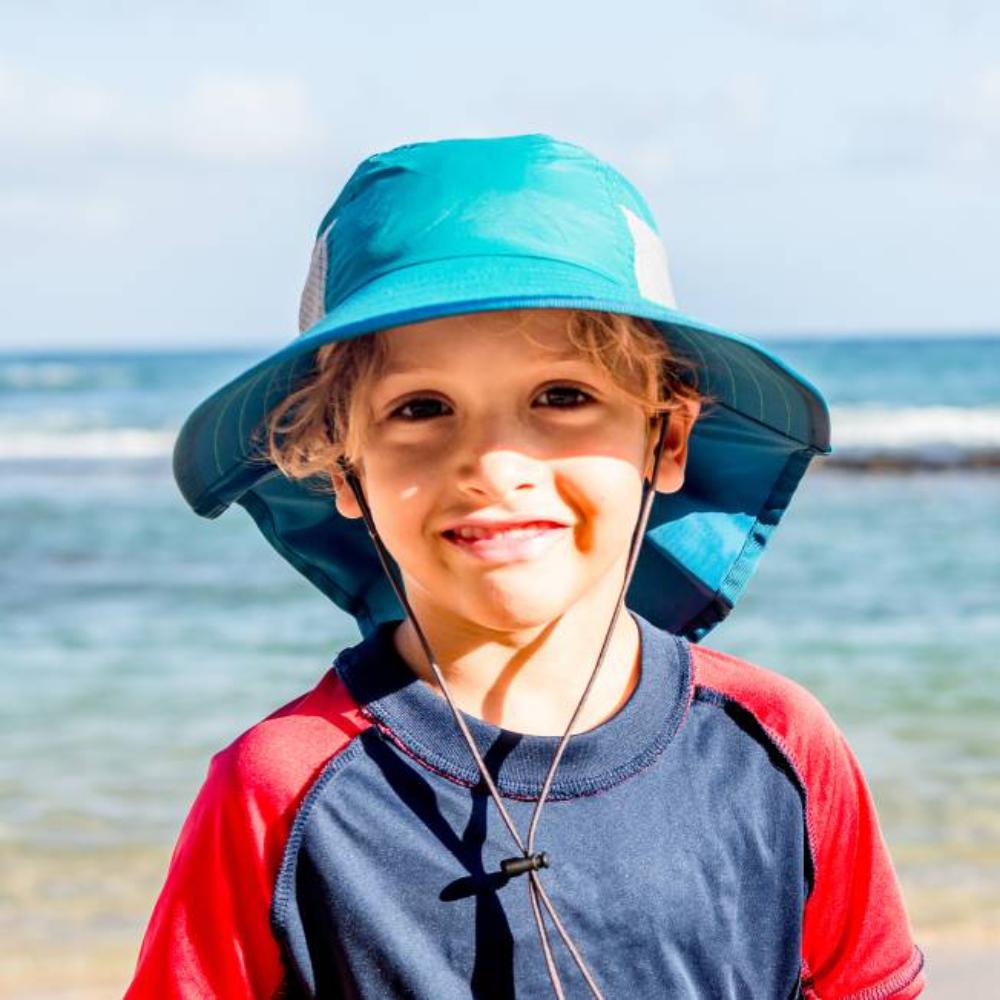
814, 167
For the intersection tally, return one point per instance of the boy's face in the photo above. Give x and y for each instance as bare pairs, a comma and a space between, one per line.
472, 422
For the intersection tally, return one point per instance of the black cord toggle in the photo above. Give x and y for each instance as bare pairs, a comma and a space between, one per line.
529, 863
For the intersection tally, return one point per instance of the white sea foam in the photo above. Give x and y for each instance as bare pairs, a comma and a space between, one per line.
906, 428
119, 442
39, 376
857, 431
56, 375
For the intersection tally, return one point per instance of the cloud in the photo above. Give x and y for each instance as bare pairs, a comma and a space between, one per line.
725, 128
81, 157
826, 19
42, 114
974, 115
803, 17
215, 118
78, 152
956, 129
54, 212
243, 118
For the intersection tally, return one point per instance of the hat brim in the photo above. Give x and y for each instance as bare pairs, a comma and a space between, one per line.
747, 453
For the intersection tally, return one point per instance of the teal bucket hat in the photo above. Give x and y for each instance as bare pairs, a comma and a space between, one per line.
467, 225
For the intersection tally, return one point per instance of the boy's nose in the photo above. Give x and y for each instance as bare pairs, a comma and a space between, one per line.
493, 473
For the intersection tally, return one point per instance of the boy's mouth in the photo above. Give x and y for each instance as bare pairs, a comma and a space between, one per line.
506, 542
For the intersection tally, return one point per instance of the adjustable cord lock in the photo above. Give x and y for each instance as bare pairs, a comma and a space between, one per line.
530, 863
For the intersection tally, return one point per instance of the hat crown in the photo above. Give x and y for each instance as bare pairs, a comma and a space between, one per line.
484, 200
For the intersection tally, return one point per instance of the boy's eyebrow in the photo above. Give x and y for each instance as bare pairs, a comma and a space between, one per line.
396, 368
401, 369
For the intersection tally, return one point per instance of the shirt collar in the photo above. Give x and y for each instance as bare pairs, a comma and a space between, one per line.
419, 721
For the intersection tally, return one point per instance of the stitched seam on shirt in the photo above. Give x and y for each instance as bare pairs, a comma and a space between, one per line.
894, 982
721, 698
289, 860
577, 792
580, 789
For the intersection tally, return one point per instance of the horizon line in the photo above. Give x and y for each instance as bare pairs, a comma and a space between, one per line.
786, 336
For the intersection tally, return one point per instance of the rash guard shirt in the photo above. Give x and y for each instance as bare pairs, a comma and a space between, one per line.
714, 838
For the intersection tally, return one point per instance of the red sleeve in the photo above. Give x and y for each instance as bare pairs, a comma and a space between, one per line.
856, 938
857, 941
210, 934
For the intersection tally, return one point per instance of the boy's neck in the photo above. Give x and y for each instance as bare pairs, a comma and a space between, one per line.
530, 681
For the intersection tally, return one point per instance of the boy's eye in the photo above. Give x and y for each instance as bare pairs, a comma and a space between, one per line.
566, 397
559, 397
420, 408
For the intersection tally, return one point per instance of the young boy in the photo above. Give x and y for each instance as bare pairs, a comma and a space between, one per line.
514, 785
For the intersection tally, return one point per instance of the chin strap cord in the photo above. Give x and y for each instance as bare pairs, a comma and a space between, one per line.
529, 862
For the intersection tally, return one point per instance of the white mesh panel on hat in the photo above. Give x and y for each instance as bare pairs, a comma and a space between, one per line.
312, 305
652, 273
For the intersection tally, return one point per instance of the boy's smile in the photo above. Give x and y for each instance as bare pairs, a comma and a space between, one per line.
504, 473
507, 541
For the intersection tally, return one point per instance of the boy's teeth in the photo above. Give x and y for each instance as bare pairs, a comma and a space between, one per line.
518, 532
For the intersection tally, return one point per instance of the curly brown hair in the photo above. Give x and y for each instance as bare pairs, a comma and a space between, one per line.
325, 418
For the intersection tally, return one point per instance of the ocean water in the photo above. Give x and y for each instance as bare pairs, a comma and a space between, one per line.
137, 639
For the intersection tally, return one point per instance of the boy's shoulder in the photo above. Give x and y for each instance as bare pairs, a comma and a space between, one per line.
278, 757
795, 722
788, 716
856, 939
781, 705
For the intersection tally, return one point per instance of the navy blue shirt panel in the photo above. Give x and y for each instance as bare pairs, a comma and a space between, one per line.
676, 835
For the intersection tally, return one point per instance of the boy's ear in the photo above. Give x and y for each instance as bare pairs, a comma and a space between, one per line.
675, 449
345, 500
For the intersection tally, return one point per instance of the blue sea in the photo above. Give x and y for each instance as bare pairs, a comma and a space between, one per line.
137, 639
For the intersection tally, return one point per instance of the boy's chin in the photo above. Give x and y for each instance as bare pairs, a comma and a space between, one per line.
513, 612
515, 599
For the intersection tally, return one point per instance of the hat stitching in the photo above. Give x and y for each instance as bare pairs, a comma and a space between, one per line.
241, 438
693, 346
747, 366
774, 507
729, 372
245, 391
287, 368
753, 378
230, 399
